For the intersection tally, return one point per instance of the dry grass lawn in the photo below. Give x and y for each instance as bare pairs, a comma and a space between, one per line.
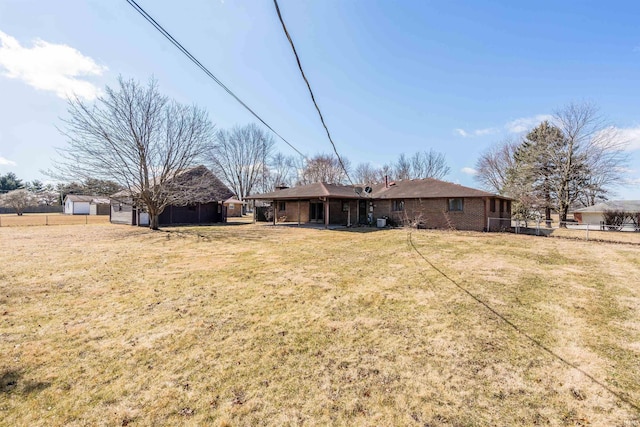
13, 220
245, 325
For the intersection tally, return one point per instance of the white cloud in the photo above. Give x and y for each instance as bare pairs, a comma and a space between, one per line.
524, 124
461, 132
631, 136
47, 66
469, 171
478, 132
6, 162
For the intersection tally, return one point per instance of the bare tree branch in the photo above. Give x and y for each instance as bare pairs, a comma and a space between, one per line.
136, 137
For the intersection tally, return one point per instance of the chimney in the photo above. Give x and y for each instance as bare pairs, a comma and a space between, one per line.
386, 181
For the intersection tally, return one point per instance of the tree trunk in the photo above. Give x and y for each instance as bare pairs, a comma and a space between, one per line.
563, 216
154, 221
547, 215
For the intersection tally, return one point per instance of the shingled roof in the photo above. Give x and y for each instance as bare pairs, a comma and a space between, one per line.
79, 197
199, 182
315, 190
428, 188
618, 205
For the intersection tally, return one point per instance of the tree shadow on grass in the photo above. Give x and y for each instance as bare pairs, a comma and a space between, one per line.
12, 381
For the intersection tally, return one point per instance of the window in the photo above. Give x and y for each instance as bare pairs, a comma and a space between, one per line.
282, 206
493, 205
231, 206
397, 205
455, 205
345, 206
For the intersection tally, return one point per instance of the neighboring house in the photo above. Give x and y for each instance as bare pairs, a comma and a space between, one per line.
204, 206
593, 215
234, 207
428, 203
76, 204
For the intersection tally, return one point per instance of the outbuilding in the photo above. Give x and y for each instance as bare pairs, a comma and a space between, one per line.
77, 204
235, 207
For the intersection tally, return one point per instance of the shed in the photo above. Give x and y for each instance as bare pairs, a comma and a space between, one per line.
99, 206
204, 204
234, 207
77, 204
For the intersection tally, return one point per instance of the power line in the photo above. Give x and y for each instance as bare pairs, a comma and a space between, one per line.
313, 98
193, 59
534, 341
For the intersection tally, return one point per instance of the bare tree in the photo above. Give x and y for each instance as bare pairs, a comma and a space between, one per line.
323, 168
281, 171
595, 145
385, 172
402, 167
364, 173
19, 200
429, 164
493, 164
48, 196
423, 164
240, 157
137, 138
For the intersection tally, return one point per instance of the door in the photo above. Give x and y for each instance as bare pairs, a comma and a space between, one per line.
362, 212
316, 212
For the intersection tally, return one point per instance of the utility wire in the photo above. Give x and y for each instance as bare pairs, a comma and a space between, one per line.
515, 327
313, 98
193, 59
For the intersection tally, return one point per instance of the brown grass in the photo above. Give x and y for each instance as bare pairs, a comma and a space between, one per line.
13, 220
261, 325
596, 235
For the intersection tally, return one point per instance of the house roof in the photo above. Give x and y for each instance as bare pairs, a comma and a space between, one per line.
618, 205
317, 189
428, 188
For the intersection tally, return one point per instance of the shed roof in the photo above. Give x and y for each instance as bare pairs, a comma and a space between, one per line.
195, 185
79, 197
100, 201
235, 201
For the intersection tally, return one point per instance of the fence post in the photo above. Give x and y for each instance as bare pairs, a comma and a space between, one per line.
86, 219
46, 220
587, 231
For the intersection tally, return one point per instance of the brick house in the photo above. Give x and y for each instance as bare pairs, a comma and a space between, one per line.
427, 203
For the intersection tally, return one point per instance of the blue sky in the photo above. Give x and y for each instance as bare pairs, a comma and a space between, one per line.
390, 77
